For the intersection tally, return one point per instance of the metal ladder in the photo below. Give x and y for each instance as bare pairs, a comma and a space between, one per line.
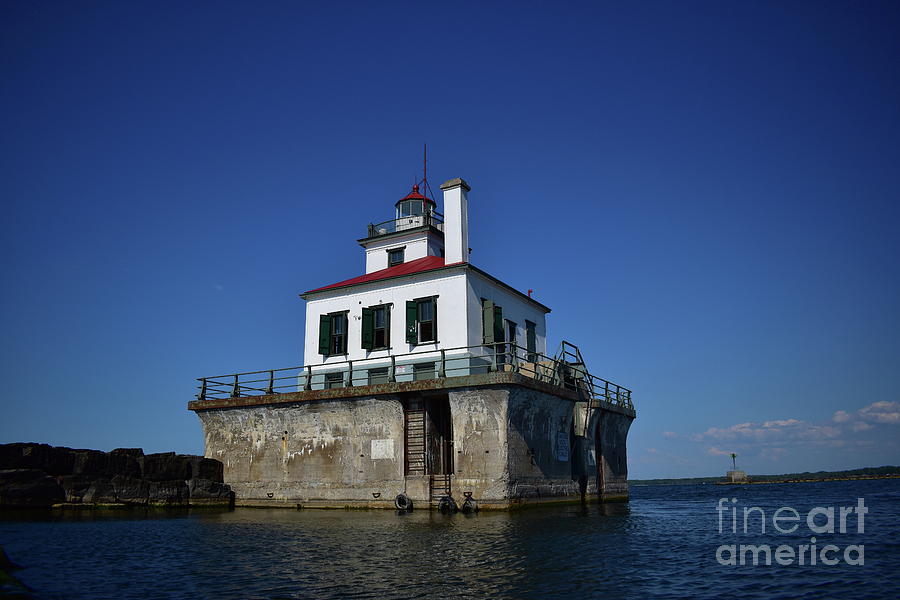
575, 376
414, 422
438, 487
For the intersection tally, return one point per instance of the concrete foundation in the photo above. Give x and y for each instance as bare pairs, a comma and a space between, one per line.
510, 440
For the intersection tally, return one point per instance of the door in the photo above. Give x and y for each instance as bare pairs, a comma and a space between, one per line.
439, 436
428, 433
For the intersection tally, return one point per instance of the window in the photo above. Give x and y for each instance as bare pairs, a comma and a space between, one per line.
421, 321
378, 375
376, 327
334, 380
426, 321
333, 334
422, 371
531, 340
395, 257
381, 327
409, 208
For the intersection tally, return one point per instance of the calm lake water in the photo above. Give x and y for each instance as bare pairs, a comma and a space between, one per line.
660, 545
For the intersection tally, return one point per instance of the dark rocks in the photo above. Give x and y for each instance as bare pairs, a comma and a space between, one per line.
40, 475
131, 490
75, 486
49, 459
29, 487
204, 491
10, 587
174, 492
100, 492
165, 466
204, 468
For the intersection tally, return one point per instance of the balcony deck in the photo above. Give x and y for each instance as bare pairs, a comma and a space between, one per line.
435, 368
433, 221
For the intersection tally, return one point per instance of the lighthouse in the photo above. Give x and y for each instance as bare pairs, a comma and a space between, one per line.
426, 381
420, 293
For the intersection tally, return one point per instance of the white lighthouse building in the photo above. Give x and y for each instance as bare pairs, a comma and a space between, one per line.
420, 293
425, 380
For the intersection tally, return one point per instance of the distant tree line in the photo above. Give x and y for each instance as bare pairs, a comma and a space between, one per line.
865, 473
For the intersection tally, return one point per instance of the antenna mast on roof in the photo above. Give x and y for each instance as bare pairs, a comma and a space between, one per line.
426, 188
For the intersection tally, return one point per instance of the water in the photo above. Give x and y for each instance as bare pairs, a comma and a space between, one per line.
660, 545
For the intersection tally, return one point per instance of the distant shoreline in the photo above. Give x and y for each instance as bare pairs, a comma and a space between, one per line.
859, 478
885, 472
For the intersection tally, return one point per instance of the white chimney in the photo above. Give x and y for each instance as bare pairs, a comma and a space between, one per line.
456, 221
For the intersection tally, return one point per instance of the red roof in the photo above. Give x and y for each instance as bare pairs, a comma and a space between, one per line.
419, 265
415, 195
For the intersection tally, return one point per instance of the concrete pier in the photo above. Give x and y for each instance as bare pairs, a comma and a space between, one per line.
502, 438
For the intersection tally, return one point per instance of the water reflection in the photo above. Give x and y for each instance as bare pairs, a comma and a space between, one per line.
662, 544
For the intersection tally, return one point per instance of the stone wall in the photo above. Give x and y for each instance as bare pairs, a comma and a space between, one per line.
480, 439
540, 445
512, 444
612, 429
323, 450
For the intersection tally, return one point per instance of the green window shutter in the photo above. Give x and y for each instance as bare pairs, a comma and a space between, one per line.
324, 334
368, 328
530, 336
487, 321
499, 334
412, 315
346, 331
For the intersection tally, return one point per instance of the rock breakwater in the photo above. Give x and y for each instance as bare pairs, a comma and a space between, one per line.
39, 475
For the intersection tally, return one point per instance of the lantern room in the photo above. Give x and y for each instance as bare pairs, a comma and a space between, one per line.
415, 204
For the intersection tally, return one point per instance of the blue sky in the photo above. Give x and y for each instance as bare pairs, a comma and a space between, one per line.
706, 194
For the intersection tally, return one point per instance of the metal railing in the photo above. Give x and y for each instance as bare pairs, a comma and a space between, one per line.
416, 366
435, 220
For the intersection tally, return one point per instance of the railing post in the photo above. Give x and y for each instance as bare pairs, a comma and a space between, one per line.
349, 373
307, 385
493, 366
392, 375
442, 369
235, 389
515, 357
202, 394
270, 389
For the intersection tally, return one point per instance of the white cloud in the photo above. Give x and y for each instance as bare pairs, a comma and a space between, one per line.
877, 412
818, 432
841, 416
768, 431
881, 412
669, 434
783, 423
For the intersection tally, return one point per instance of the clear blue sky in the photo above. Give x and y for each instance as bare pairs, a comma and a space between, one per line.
706, 194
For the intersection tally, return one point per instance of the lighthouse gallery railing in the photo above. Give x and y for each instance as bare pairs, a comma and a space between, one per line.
416, 366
